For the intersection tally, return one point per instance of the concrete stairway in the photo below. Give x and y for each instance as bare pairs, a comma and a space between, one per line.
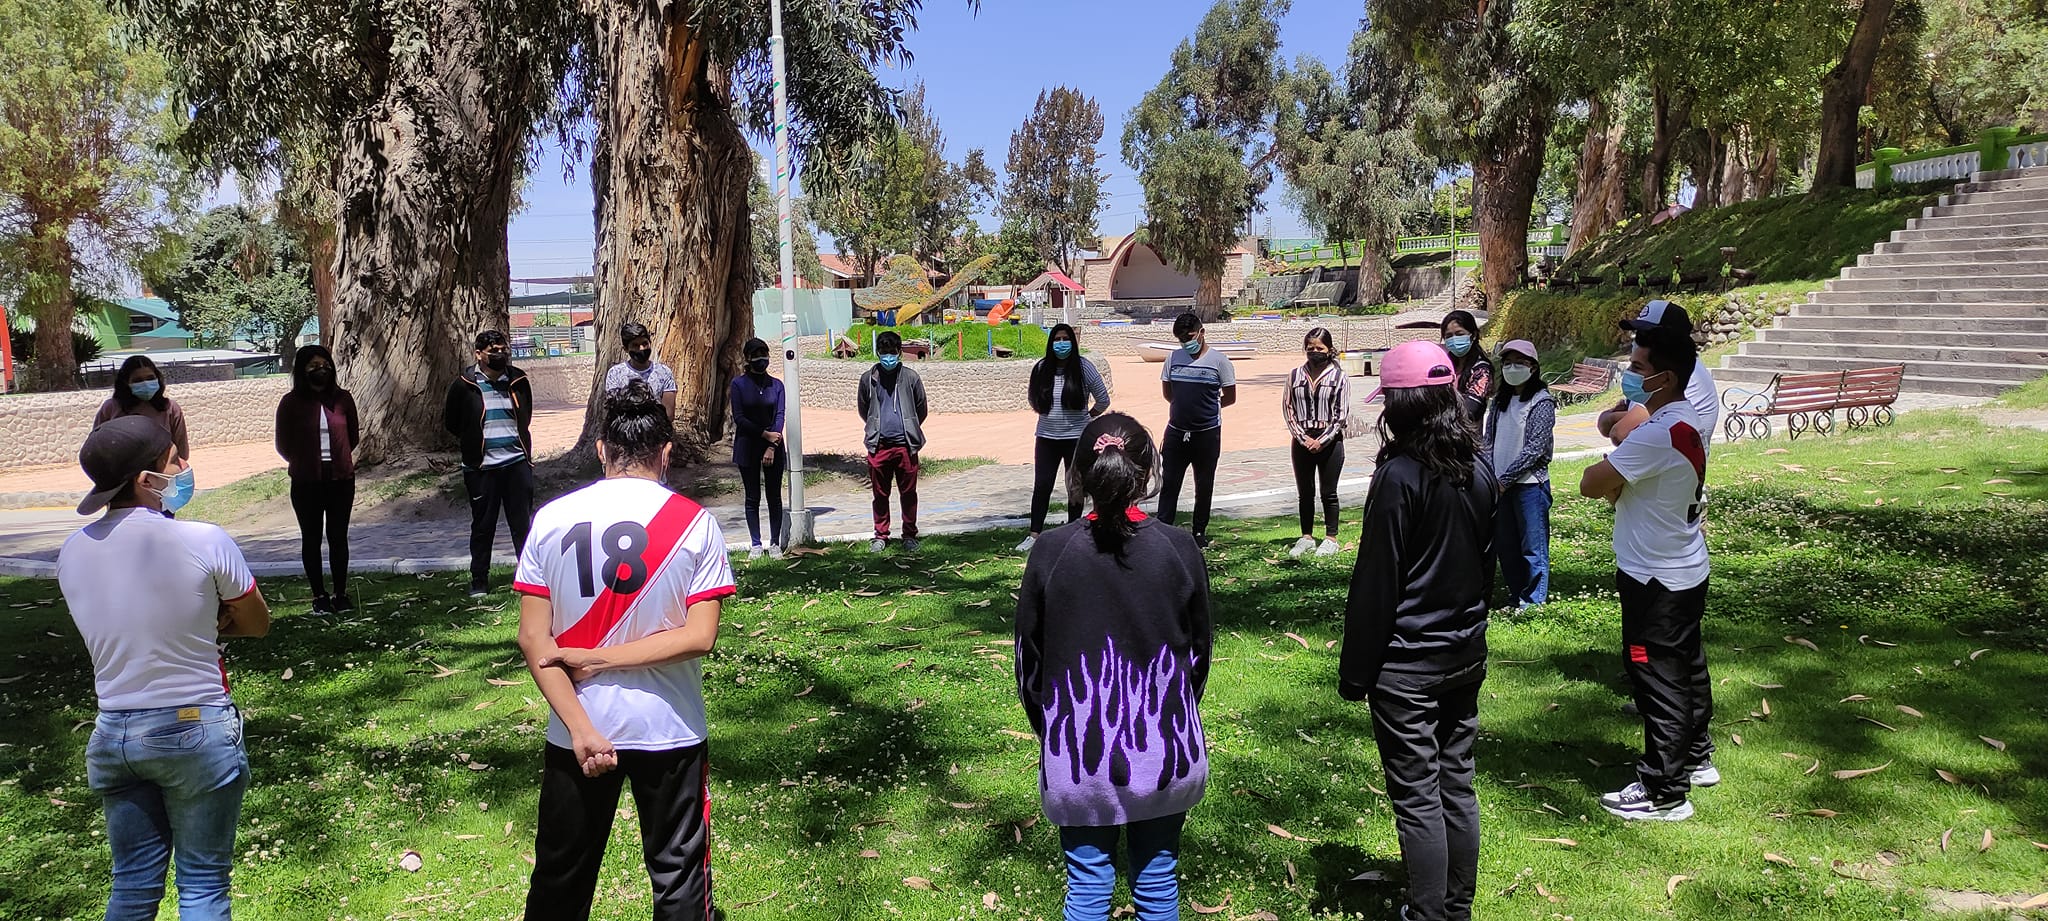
1960, 297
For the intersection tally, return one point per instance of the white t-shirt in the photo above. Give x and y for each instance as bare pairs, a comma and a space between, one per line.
326, 440
1705, 400
1657, 532
145, 592
620, 560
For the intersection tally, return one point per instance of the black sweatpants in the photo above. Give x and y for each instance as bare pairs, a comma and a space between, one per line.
1424, 725
509, 488
1667, 669
1200, 450
752, 478
324, 506
1327, 464
576, 819
1046, 459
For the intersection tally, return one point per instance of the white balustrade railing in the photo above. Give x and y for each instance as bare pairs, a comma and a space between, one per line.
2023, 156
1948, 166
1866, 178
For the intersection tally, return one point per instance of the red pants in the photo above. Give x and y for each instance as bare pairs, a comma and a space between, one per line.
899, 465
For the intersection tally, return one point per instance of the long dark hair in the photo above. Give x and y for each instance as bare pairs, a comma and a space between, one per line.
635, 427
1528, 391
1114, 460
1429, 424
301, 383
1477, 353
1075, 394
126, 399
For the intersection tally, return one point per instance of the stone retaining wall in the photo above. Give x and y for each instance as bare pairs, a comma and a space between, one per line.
560, 380
41, 429
949, 386
1273, 337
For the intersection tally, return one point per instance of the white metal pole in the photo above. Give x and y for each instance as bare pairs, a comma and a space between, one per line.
799, 524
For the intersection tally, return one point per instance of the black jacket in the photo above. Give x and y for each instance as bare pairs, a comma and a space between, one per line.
464, 414
1419, 589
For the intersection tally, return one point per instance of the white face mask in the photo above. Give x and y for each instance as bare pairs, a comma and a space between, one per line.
1516, 375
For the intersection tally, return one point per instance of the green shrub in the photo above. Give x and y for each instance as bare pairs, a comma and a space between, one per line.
962, 341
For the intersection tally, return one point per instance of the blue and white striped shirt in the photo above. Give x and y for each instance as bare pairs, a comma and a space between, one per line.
501, 428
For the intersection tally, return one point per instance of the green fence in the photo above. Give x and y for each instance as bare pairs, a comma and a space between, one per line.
1465, 247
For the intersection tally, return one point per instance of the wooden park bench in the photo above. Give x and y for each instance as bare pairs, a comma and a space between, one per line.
1586, 379
1809, 401
1320, 294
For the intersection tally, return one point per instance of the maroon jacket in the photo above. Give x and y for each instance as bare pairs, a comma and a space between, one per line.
298, 433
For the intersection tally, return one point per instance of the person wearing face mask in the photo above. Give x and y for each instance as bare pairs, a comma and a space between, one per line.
139, 391
317, 434
1066, 392
1475, 371
490, 413
152, 597
1657, 480
1700, 390
1197, 382
1520, 435
1316, 406
892, 408
640, 365
757, 444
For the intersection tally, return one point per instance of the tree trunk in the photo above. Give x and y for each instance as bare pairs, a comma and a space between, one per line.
1842, 94
1669, 116
322, 256
1736, 155
674, 246
48, 299
1598, 199
1509, 164
425, 187
1764, 179
1209, 294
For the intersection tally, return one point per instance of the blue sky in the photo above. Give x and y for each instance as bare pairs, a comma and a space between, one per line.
982, 72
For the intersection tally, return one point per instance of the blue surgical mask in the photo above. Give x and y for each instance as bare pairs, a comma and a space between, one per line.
1458, 345
890, 361
178, 491
146, 390
1633, 388
1194, 346
1062, 349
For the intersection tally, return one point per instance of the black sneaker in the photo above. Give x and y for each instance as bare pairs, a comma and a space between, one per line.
479, 590
322, 604
1633, 803
342, 604
1202, 541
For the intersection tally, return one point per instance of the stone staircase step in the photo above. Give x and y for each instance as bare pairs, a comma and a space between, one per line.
2032, 362
2005, 255
1846, 325
1919, 230
1990, 209
1911, 337
1999, 175
1991, 243
1919, 304
1964, 195
2009, 289
1753, 376
1951, 269
2004, 185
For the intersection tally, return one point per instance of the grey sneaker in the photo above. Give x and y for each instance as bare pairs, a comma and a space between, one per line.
878, 545
1329, 547
775, 551
1304, 545
1633, 803
1706, 775
1030, 541
756, 553
910, 544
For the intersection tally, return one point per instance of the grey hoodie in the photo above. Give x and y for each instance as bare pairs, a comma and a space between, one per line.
909, 395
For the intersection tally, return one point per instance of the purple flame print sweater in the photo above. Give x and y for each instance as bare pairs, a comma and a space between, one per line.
1112, 659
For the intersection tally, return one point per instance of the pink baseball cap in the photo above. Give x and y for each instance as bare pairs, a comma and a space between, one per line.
1522, 347
1416, 363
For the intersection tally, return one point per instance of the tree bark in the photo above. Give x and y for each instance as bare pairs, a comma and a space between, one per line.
674, 249
425, 187
1842, 94
1506, 172
1209, 295
1598, 201
49, 300
1669, 116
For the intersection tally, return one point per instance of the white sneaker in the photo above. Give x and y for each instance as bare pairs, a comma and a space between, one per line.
1328, 547
878, 545
1633, 803
1301, 546
1030, 541
1706, 775
775, 551
756, 553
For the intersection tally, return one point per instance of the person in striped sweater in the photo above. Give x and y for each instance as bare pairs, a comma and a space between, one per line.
1066, 392
490, 412
1316, 406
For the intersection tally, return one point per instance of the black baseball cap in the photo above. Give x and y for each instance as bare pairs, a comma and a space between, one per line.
1660, 314
115, 453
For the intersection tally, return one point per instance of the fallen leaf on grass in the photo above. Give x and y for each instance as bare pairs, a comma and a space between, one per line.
1994, 743
1909, 711
1765, 706
1802, 641
1288, 835
1822, 813
479, 766
1202, 909
2039, 845
443, 671
1735, 737
1985, 844
1297, 638
1785, 861
980, 604
2039, 901
1012, 733
1877, 723
1998, 482
989, 900
866, 594
1671, 885
965, 805
1853, 699
918, 883
1945, 838
410, 862
807, 604
1292, 873
1260, 916
1866, 640
1767, 687
1951, 778
1562, 842
1851, 775
1777, 451
1974, 655
287, 676
483, 705
500, 682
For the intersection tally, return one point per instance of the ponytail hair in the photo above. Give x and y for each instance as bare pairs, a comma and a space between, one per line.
636, 427
1115, 462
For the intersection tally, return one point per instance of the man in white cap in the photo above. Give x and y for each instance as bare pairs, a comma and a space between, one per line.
1699, 388
152, 596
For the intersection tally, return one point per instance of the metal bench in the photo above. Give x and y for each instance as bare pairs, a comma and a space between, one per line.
1809, 401
1586, 379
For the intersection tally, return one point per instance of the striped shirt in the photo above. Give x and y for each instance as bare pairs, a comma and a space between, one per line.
1063, 424
1320, 404
501, 428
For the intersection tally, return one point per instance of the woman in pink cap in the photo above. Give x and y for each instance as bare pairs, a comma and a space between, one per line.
1520, 437
1415, 623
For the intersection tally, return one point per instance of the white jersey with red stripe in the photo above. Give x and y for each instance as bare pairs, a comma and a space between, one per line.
621, 560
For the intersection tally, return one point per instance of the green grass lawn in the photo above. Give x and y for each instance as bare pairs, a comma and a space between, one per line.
866, 731
959, 341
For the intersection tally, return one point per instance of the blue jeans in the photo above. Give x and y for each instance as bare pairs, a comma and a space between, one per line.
1154, 856
1522, 542
172, 783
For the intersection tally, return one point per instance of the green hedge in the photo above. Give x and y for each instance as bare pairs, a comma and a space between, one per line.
1787, 238
963, 341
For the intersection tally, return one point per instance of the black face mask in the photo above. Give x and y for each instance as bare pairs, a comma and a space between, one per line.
321, 377
641, 355
757, 366
498, 361
1319, 359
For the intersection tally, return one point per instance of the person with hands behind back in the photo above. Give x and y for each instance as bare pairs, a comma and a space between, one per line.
1415, 623
620, 592
1700, 389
